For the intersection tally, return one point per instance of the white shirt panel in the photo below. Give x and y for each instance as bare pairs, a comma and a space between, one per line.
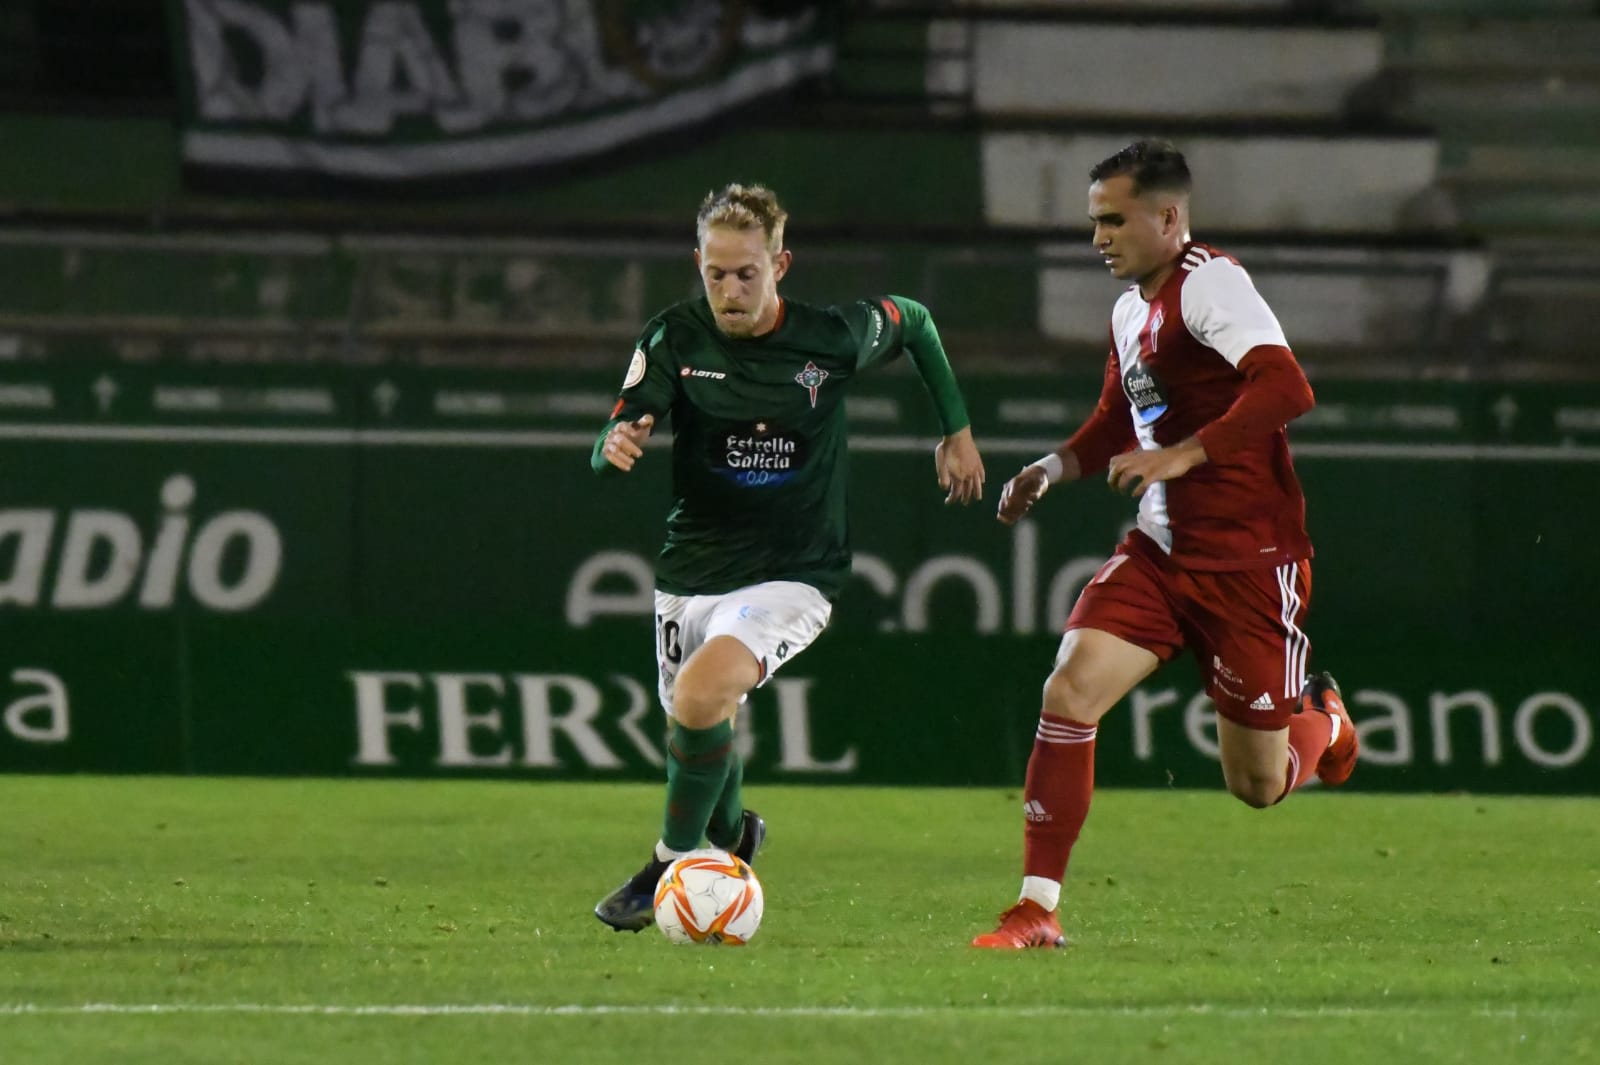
1224, 311
1153, 516
1128, 319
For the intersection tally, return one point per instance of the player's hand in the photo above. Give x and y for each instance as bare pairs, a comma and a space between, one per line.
1135, 471
959, 466
1021, 493
625, 442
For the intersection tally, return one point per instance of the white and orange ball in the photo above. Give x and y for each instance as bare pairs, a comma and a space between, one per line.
711, 897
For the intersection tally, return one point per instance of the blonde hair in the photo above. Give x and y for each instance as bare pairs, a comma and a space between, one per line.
743, 207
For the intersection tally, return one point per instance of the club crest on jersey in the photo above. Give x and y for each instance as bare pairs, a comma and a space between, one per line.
811, 379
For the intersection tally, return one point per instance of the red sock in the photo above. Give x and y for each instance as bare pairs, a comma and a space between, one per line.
1056, 796
1309, 733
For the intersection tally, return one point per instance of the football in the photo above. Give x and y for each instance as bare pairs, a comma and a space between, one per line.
710, 897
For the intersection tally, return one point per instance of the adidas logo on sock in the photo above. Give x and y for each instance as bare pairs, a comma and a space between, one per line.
1034, 810
1263, 702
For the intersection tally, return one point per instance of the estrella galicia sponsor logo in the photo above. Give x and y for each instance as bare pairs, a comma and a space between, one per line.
758, 455
1144, 391
811, 379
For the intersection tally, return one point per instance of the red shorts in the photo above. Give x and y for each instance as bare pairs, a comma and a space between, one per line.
1243, 625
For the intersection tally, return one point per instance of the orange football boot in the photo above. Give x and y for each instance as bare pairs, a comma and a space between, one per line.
1027, 924
1322, 695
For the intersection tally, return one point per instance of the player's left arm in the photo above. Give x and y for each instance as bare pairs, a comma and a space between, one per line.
1225, 312
956, 461
1275, 393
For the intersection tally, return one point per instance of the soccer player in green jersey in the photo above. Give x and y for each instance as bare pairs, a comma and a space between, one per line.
757, 543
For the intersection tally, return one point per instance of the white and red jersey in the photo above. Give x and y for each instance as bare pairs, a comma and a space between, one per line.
1174, 372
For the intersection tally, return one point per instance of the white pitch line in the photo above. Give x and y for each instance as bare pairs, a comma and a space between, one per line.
512, 1009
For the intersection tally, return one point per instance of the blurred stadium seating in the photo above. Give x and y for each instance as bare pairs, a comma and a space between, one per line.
1414, 183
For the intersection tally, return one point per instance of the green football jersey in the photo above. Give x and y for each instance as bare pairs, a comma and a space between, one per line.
759, 460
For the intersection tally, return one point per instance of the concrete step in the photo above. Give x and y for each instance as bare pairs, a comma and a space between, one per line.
1531, 210
1503, 108
1510, 9
1490, 165
1541, 46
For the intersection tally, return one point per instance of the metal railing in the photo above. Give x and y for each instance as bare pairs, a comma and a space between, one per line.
292, 297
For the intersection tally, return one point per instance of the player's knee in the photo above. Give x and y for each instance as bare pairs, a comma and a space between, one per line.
1066, 695
1256, 791
701, 698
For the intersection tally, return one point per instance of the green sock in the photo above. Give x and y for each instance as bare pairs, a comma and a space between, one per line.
698, 761
727, 817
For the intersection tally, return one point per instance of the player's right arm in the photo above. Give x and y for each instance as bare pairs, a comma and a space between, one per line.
1107, 432
647, 392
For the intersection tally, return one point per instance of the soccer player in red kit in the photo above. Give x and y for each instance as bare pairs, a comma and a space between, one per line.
1199, 385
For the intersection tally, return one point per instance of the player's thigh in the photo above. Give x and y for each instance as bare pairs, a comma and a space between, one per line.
1093, 671
774, 621
713, 681
1254, 761
1249, 644
1252, 654
1122, 627
677, 635
744, 637
700, 676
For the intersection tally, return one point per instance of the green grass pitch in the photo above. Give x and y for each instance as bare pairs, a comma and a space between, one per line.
286, 921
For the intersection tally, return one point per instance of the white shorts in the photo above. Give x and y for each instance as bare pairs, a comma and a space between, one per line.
775, 620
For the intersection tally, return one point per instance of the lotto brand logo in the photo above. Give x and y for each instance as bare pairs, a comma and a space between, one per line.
890, 312
691, 372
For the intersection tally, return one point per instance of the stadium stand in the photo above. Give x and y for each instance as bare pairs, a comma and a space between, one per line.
1372, 161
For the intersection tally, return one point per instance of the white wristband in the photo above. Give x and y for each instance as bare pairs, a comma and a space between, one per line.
1051, 465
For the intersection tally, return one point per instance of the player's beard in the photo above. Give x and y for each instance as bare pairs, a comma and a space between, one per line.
742, 325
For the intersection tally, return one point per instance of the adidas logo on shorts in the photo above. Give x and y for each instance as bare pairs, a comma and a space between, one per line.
1263, 702
1035, 811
